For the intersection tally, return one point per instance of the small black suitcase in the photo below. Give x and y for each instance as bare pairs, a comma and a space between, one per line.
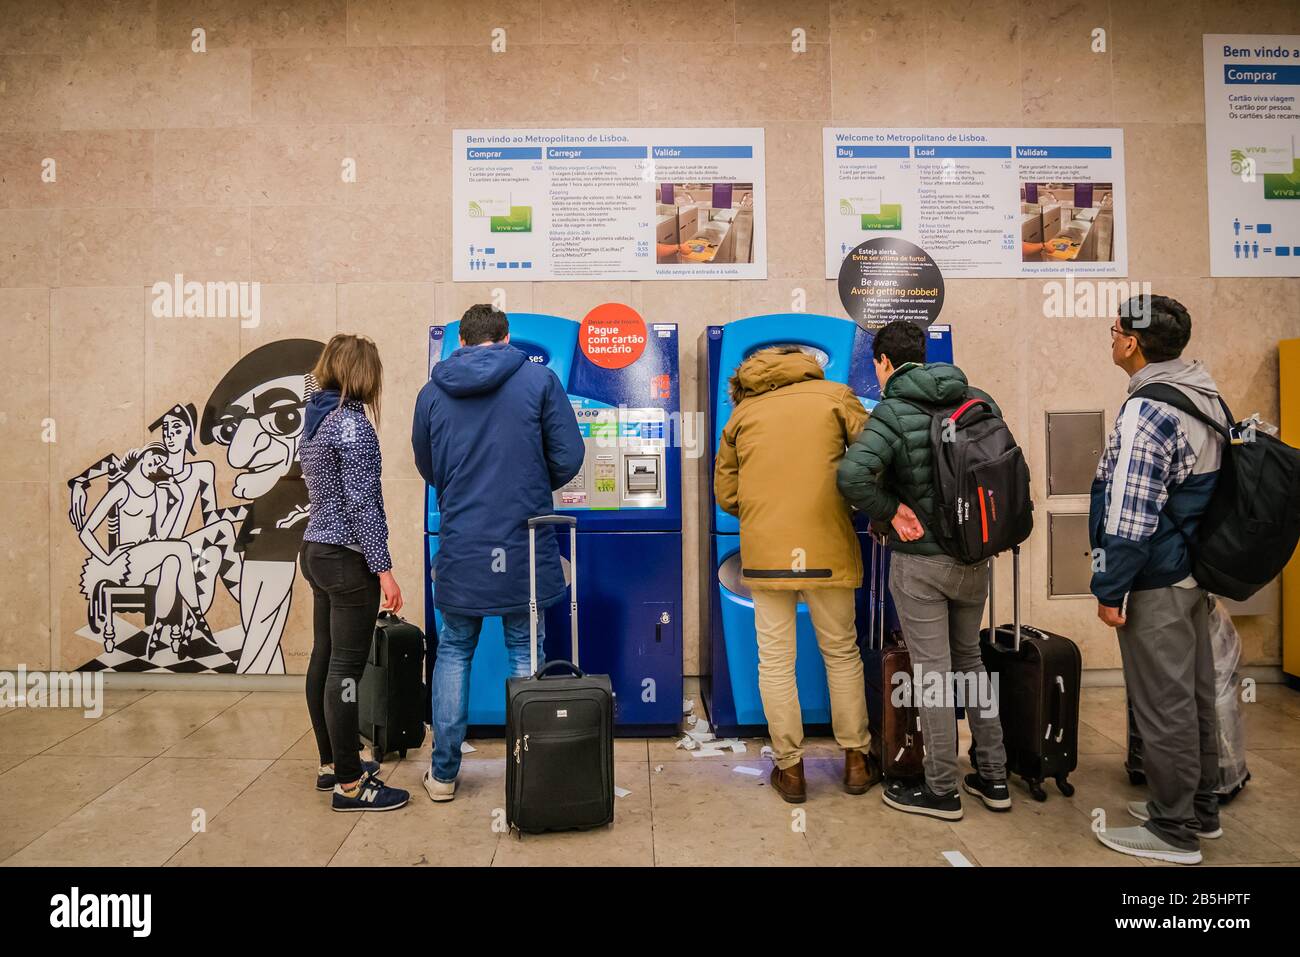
391, 698
559, 728
1039, 675
895, 729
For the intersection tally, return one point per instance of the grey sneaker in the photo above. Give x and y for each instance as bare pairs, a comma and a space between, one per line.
1139, 810
438, 790
1139, 842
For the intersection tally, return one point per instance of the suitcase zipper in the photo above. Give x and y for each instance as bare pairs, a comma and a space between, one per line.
520, 743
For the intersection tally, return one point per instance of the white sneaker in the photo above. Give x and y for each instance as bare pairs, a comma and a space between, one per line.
1139, 842
1139, 810
437, 790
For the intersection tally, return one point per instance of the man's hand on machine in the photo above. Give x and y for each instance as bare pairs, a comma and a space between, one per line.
906, 524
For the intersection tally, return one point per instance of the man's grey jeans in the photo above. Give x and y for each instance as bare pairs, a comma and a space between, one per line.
1169, 673
940, 605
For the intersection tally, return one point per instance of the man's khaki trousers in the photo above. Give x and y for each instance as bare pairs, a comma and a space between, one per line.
832, 611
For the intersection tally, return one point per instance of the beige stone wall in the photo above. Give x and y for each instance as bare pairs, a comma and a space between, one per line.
225, 165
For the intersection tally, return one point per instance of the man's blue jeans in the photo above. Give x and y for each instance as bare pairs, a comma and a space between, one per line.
456, 643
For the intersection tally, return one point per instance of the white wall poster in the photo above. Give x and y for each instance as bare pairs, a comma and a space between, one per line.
984, 203
1252, 121
608, 204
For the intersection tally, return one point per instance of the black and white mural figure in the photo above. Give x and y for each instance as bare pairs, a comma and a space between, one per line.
256, 412
142, 560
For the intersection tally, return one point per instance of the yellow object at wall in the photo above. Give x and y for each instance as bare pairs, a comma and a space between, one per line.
1289, 374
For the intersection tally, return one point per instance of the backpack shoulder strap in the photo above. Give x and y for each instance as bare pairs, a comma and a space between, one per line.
1171, 395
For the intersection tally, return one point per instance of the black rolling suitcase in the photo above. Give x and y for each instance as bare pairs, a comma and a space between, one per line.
1039, 675
559, 728
391, 697
896, 730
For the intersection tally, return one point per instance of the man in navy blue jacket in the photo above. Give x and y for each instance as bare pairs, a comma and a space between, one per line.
495, 435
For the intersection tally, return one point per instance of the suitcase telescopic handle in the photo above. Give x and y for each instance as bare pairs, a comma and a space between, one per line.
1015, 599
533, 619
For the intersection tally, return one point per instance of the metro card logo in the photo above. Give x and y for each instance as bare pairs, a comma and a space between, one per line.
483, 208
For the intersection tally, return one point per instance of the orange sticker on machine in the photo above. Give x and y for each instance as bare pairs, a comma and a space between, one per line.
613, 335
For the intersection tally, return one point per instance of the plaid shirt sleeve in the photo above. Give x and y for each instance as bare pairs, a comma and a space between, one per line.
1147, 453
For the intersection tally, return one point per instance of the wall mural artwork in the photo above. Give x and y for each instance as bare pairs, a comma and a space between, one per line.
161, 546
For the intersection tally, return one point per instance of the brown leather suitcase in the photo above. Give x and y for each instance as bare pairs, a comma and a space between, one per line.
896, 727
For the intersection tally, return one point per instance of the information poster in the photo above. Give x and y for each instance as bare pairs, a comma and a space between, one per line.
608, 204
986, 203
1252, 121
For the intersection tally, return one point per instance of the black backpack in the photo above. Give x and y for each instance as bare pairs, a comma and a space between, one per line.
1252, 524
981, 483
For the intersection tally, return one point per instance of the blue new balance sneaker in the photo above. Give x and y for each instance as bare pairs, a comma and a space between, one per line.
371, 794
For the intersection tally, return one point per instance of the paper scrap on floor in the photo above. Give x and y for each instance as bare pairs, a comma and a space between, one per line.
467, 748
621, 792
746, 769
716, 747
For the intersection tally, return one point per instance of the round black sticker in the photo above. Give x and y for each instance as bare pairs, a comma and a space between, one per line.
885, 279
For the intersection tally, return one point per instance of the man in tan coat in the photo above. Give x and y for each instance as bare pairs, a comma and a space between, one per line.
776, 470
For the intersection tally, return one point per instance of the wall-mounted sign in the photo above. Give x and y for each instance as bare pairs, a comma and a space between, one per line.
608, 204
612, 335
1252, 124
887, 278
981, 202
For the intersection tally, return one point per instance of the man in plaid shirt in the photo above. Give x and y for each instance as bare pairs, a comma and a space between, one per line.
1152, 486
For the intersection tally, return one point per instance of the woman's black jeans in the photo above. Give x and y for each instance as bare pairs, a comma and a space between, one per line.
346, 596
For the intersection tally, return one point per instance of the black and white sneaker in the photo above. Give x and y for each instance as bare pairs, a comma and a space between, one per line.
919, 799
995, 794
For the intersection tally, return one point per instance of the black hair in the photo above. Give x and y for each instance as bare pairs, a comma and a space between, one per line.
483, 323
901, 340
264, 364
1161, 325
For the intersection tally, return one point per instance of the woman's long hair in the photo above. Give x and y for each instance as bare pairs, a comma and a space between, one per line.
350, 364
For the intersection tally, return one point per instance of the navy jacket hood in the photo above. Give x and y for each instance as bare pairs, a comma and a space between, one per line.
320, 405
474, 370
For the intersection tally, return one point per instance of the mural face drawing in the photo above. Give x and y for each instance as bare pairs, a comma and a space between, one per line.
160, 545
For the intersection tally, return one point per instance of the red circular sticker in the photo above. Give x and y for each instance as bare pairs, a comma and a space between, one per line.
613, 335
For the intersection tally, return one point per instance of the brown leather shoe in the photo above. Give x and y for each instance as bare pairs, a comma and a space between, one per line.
861, 772
790, 783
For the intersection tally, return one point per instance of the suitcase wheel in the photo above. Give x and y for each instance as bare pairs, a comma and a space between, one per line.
1064, 786
1137, 778
1036, 789
376, 755
402, 753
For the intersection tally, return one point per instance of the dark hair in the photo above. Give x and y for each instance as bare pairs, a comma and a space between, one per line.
901, 340
483, 323
1161, 325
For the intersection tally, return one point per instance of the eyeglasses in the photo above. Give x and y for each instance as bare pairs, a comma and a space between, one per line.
1117, 331
278, 412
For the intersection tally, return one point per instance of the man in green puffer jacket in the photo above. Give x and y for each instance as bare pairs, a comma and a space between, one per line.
889, 474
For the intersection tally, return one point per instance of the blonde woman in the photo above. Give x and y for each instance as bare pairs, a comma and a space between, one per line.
345, 560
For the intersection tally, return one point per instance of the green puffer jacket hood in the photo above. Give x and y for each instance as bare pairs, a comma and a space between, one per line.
892, 460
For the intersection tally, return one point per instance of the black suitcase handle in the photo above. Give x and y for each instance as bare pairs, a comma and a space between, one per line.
576, 671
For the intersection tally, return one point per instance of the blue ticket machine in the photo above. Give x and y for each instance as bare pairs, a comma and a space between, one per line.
627, 500
728, 644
